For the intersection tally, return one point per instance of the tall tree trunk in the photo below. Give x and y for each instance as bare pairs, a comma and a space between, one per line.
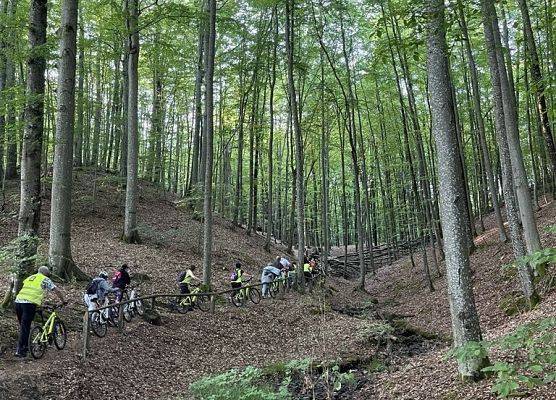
131, 234
3, 9
78, 144
125, 104
465, 321
481, 124
59, 252
97, 118
30, 198
209, 110
324, 173
507, 167
274, 61
294, 110
198, 111
494, 47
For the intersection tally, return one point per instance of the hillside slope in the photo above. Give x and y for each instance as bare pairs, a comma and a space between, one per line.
149, 362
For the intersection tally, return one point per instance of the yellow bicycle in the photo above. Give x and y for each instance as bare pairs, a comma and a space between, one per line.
195, 299
52, 331
240, 297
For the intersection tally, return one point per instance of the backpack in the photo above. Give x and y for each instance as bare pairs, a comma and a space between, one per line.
181, 276
234, 276
92, 287
116, 279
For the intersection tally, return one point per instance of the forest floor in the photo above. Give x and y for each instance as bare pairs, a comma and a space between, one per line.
159, 362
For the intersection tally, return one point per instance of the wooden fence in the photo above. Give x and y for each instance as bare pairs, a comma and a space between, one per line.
151, 298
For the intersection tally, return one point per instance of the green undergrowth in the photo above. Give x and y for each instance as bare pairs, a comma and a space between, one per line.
279, 381
526, 357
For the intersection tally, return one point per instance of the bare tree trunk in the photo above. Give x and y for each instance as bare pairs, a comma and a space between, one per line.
97, 117
274, 61
465, 321
78, 144
125, 104
30, 203
59, 253
3, 60
508, 180
198, 111
481, 124
294, 110
492, 35
131, 234
324, 172
209, 110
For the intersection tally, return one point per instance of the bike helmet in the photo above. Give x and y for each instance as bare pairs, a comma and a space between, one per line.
103, 275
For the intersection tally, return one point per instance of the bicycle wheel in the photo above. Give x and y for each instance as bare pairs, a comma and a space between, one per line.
36, 346
203, 302
60, 334
274, 289
128, 312
138, 307
255, 295
237, 299
113, 313
98, 325
182, 305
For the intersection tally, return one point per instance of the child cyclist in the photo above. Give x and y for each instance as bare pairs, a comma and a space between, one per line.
238, 277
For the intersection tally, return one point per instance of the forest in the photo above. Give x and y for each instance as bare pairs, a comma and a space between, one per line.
406, 148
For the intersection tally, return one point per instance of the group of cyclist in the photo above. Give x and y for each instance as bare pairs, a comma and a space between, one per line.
31, 295
96, 293
281, 267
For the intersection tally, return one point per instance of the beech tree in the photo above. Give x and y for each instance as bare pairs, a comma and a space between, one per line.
30, 197
131, 234
59, 254
465, 321
209, 132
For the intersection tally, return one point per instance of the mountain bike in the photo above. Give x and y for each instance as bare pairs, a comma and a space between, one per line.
274, 288
240, 297
134, 307
195, 299
53, 330
100, 319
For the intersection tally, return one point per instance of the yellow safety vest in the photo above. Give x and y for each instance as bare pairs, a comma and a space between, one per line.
306, 268
239, 276
188, 277
32, 290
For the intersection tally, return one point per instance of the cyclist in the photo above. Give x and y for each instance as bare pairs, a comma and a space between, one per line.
120, 280
307, 270
236, 279
292, 274
314, 267
28, 299
96, 291
270, 273
186, 278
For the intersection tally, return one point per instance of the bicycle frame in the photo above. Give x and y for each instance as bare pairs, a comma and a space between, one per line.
191, 298
48, 327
